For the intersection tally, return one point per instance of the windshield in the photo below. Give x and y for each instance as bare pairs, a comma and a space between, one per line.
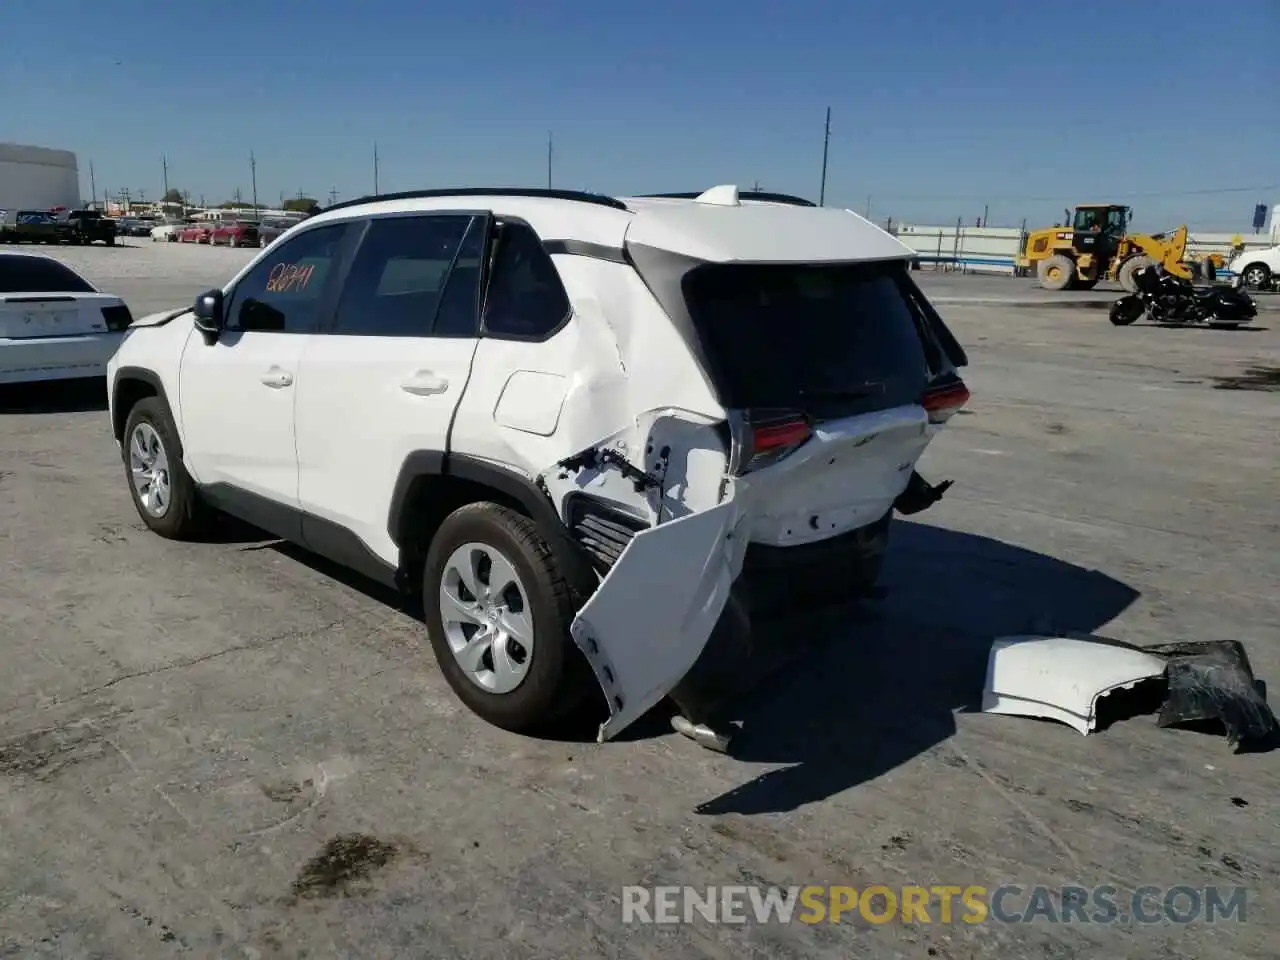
831, 340
23, 274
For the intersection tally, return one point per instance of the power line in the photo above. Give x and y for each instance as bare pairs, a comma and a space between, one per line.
1117, 195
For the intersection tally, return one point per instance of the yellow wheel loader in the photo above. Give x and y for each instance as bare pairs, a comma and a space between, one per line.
1096, 245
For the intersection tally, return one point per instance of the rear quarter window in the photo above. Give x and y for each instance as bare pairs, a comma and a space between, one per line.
832, 340
19, 274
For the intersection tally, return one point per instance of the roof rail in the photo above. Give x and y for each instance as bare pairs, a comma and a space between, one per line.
575, 195
759, 195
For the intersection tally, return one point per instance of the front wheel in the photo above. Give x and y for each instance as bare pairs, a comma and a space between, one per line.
1057, 272
1125, 310
163, 492
498, 607
111, 241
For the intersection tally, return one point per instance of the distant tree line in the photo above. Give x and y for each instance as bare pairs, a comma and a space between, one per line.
301, 204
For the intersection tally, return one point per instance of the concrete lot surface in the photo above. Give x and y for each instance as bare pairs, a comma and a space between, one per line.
232, 750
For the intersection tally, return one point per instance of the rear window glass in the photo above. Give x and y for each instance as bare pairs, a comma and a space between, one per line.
39, 275
829, 340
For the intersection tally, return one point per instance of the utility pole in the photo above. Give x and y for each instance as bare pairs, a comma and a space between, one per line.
826, 143
375, 168
253, 176
985, 208
549, 152
142, 195
867, 211
93, 187
164, 163
333, 196
756, 187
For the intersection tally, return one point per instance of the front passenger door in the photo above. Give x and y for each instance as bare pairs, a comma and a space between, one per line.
237, 393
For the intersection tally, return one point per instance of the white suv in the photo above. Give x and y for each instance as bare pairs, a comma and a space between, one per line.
570, 420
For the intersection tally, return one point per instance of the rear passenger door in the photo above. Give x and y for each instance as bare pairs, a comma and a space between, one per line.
384, 377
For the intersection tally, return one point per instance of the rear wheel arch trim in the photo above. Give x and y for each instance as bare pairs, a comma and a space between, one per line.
120, 416
435, 463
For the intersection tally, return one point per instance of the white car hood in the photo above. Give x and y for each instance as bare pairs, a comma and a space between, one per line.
155, 319
1061, 678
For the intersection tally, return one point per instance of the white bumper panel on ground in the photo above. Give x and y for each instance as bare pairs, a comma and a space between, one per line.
649, 620
1061, 678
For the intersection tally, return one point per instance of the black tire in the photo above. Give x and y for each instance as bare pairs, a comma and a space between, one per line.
1125, 310
187, 517
1126, 274
1256, 276
558, 678
111, 241
1057, 272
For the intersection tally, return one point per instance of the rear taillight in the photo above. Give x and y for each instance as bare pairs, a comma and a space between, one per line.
117, 317
763, 437
943, 400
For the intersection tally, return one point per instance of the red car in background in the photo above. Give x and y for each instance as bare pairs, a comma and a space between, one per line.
196, 232
236, 233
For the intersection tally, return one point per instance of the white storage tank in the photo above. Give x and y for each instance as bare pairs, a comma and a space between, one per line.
37, 178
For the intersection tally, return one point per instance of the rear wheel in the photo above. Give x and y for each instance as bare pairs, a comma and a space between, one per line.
1057, 272
498, 605
1126, 275
1257, 276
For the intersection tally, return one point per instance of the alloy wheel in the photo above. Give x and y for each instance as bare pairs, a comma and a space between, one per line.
484, 609
149, 469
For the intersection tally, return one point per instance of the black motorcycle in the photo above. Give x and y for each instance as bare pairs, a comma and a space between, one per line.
1163, 298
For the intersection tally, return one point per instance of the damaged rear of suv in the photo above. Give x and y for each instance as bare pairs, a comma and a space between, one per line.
575, 423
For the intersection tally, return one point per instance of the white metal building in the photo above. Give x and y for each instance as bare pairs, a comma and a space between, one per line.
37, 178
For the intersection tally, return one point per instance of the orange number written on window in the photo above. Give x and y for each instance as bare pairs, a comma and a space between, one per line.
289, 277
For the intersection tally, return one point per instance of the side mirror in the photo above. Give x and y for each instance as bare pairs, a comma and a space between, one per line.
208, 311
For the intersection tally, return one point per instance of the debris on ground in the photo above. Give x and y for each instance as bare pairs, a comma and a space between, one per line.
1064, 677
1213, 680
344, 860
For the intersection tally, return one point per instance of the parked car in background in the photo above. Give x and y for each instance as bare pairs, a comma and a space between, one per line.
271, 228
167, 230
54, 324
1258, 269
197, 232
134, 227
90, 226
235, 233
34, 226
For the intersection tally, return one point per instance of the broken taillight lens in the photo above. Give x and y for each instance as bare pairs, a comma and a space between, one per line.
763, 437
944, 399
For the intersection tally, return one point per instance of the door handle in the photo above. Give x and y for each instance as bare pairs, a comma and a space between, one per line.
277, 378
425, 383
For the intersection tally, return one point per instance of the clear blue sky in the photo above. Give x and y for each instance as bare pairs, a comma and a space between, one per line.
936, 107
